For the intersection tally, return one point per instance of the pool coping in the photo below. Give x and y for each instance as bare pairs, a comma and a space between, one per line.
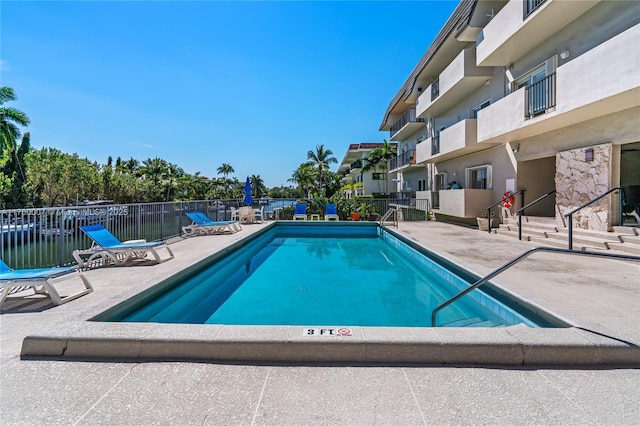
514, 345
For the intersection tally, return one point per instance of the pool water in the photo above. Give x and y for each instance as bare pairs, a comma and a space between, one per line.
322, 275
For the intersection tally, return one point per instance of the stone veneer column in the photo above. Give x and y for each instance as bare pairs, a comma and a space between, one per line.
578, 181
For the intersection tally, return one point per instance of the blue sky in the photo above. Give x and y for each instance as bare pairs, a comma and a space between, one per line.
252, 84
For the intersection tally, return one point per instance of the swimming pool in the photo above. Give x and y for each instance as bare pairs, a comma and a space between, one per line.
329, 274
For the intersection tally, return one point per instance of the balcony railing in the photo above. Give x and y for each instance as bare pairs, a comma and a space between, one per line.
540, 96
530, 6
403, 159
435, 90
435, 145
409, 116
356, 165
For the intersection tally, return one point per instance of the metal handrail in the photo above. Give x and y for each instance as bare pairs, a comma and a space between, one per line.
521, 192
393, 211
569, 215
520, 211
515, 260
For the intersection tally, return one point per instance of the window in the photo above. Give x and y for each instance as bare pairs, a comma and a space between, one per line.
532, 77
475, 109
479, 177
422, 184
378, 176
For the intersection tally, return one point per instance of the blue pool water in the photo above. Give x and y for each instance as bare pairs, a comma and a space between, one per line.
319, 274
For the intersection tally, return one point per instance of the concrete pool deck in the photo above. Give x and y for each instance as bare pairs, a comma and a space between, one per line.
600, 297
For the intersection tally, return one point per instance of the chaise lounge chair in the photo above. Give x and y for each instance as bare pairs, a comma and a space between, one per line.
202, 225
331, 212
109, 250
300, 212
42, 281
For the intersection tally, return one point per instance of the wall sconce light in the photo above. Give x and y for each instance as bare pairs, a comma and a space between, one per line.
588, 154
564, 54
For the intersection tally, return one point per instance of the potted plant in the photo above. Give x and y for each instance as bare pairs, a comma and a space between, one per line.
483, 221
355, 211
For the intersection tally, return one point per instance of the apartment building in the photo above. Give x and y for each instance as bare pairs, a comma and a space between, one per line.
374, 181
535, 96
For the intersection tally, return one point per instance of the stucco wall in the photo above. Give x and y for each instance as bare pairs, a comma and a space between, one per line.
578, 181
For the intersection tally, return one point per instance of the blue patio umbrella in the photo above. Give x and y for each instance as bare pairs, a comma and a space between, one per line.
248, 200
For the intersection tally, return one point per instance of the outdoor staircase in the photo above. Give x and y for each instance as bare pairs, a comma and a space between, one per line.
546, 232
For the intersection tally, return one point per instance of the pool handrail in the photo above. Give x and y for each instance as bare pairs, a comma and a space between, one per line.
393, 211
517, 259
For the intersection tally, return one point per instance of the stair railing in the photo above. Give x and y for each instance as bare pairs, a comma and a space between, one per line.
520, 211
521, 192
517, 259
393, 211
569, 215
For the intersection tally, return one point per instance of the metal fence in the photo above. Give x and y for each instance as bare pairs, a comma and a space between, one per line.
46, 237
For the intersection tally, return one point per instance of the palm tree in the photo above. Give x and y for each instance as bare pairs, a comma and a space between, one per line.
320, 159
303, 176
226, 170
380, 157
10, 119
173, 173
257, 185
387, 153
155, 171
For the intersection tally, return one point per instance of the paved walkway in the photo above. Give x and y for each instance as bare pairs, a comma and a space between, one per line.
601, 295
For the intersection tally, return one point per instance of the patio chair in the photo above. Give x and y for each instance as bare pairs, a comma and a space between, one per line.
235, 216
300, 212
107, 249
331, 212
202, 225
42, 281
258, 214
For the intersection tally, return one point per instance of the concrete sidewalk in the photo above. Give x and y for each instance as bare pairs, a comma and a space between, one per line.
600, 295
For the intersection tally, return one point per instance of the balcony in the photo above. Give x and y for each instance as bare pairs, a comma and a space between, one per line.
459, 139
464, 203
599, 82
355, 166
435, 145
460, 78
406, 125
403, 160
540, 97
509, 35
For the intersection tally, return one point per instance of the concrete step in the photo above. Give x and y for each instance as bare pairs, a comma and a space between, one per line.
627, 230
582, 239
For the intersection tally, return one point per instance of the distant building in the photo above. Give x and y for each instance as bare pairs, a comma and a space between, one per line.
534, 95
373, 181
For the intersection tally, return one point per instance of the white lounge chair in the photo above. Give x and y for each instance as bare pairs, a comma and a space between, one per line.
106, 248
42, 281
202, 225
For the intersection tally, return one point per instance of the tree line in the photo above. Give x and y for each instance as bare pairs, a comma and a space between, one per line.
49, 177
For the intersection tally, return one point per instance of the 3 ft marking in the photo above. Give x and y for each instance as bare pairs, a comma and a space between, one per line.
327, 332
